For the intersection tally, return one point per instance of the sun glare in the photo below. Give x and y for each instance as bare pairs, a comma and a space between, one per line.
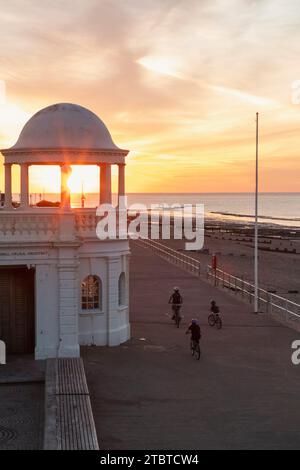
160, 65
84, 178
12, 119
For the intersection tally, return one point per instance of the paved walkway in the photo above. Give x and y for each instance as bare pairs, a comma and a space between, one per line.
152, 394
22, 369
21, 403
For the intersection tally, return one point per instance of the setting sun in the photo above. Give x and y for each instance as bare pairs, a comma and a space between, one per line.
84, 178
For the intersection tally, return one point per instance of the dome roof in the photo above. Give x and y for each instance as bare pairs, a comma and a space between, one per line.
65, 126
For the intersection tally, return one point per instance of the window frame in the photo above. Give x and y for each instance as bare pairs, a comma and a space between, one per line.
85, 295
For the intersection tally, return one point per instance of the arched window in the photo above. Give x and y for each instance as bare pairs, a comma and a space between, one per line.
122, 289
91, 293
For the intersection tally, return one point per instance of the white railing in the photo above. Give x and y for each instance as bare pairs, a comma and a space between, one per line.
27, 226
271, 303
45, 224
85, 222
179, 259
268, 301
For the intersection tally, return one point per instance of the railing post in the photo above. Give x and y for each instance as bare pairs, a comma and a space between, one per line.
268, 302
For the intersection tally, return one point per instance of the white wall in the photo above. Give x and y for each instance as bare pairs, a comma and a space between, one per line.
61, 326
47, 311
109, 326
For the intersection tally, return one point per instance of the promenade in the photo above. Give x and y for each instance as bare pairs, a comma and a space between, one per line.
21, 404
150, 393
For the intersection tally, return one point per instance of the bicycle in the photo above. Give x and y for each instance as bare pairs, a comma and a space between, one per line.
215, 319
195, 347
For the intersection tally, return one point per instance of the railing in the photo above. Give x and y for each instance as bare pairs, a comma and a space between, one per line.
45, 224
267, 301
48, 224
271, 303
85, 222
25, 226
179, 259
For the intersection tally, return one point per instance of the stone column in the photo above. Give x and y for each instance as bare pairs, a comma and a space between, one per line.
108, 183
113, 326
46, 330
101, 183
8, 192
121, 179
68, 303
105, 183
24, 186
66, 171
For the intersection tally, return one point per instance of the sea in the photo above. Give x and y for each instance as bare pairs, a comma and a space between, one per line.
275, 209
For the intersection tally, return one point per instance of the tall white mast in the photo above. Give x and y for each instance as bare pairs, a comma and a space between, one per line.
256, 226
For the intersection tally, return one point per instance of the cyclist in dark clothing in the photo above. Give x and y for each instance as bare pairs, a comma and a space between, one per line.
176, 300
214, 317
195, 331
176, 297
214, 308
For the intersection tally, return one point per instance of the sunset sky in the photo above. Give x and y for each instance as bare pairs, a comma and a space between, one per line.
176, 82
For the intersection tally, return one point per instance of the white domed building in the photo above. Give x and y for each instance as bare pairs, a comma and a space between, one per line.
60, 286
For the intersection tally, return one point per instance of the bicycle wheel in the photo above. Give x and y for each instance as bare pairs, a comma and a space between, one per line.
219, 323
211, 319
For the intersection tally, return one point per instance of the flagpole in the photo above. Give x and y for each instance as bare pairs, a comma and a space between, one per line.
256, 226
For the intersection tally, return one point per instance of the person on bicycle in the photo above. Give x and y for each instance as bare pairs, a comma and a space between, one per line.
195, 331
214, 317
214, 308
176, 300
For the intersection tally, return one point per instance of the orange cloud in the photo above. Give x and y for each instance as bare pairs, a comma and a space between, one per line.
178, 86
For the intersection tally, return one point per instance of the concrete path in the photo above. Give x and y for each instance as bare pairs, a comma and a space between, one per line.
21, 416
21, 403
152, 394
22, 368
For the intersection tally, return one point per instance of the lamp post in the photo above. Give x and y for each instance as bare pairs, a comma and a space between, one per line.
256, 296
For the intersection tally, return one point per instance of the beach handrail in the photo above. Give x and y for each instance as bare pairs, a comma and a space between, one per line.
172, 255
271, 301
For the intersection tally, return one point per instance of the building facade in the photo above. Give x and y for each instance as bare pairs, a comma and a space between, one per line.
60, 286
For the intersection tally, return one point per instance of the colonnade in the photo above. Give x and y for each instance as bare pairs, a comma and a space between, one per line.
105, 193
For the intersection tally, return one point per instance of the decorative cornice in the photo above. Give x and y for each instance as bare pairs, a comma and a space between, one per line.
64, 150
58, 156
